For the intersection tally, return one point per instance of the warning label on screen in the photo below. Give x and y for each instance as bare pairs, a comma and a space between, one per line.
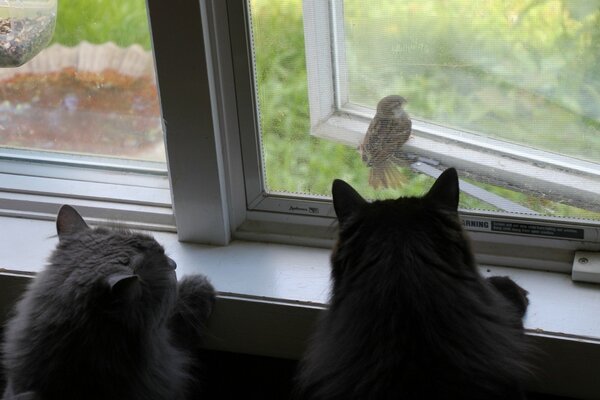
539, 230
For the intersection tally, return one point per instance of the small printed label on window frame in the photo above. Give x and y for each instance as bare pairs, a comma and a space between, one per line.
522, 228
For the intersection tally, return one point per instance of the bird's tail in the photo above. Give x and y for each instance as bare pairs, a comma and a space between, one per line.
386, 175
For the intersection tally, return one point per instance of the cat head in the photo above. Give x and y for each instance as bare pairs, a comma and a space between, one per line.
444, 195
113, 269
423, 228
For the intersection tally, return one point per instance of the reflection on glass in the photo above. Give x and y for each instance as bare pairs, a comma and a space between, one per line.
92, 91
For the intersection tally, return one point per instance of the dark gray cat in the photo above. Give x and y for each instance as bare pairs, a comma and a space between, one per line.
106, 319
410, 317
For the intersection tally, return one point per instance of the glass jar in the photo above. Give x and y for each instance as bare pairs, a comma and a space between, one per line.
26, 27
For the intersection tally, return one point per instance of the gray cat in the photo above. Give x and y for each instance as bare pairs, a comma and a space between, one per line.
410, 316
106, 319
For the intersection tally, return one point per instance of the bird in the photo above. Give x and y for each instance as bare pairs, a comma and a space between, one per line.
380, 150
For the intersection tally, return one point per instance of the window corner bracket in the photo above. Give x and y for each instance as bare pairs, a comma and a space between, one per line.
586, 267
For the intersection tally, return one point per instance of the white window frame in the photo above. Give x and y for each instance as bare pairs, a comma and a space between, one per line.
35, 184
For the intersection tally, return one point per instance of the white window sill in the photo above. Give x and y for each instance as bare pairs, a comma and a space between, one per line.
270, 295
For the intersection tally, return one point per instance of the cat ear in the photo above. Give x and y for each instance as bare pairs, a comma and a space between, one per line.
69, 221
445, 190
123, 285
345, 199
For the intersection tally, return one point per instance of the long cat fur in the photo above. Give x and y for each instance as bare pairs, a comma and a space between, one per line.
106, 319
410, 317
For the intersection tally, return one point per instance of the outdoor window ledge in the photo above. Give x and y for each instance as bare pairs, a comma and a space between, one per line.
270, 296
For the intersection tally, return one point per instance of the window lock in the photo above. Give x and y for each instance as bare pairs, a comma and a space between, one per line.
586, 267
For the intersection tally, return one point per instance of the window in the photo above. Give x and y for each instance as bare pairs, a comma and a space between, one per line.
81, 122
484, 98
359, 52
493, 90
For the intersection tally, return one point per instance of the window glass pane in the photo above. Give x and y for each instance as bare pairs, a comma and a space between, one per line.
92, 91
522, 72
294, 161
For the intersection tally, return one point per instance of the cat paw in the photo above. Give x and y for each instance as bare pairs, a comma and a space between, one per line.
514, 293
195, 301
198, 294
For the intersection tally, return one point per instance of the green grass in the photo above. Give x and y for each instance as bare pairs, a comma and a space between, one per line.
123, 22
525, 71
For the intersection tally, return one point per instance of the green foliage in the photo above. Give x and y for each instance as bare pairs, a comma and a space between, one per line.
527, 71
123, 22
295, 161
